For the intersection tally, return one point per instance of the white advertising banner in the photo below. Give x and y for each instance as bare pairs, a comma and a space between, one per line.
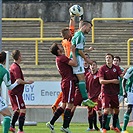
41, 93
38, 93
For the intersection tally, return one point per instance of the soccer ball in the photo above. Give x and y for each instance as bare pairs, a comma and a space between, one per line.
76, 10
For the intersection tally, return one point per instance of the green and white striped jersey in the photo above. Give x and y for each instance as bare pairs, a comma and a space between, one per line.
5, 76
79, 41
129, 76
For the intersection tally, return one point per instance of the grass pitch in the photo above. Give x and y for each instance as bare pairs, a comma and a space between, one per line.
75, 128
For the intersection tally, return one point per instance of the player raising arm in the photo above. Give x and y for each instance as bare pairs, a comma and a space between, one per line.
78, 40
67, 34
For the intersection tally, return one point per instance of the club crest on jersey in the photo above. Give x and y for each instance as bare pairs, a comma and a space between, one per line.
72, 99
114, 70
95, 77
22, 104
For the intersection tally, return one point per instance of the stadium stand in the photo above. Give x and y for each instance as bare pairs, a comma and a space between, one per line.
110, 37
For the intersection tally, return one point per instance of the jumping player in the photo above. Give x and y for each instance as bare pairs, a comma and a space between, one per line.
67, 34
78, 40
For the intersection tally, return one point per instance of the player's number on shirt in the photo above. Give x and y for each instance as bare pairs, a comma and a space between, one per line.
2, 103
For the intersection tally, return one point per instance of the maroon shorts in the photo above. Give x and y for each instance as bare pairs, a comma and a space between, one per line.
77, 98
110, 101
68, 90
17, 102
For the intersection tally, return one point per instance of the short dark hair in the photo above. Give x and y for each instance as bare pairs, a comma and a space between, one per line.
86, 23
2, 56
118, 57
64, 32
94, 62
110, 55
54, 49
87, 55
15, 54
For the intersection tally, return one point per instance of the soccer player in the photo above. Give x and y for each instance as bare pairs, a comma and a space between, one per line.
16, 98
58, 100
5, 76
109, 79
116, 61
78, 40
64, 64
94, 83
67, 34
129, 95
94, 89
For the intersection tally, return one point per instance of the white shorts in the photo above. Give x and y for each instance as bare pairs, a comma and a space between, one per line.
3, 104
129, 98
121, 98
80, 68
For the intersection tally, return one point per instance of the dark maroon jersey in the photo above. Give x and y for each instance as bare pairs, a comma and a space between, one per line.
15, 73
108, 74
86, 70
92, 84
64, 69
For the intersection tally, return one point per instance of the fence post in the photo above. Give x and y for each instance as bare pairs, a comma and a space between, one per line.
128, 52
36, 52
93, 34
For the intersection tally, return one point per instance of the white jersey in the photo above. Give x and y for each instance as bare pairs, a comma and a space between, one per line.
79, 41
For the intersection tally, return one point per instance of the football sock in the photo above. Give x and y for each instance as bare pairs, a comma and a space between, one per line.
95, 119
118, 124
6, 124
58, 100
82, 89
90, 121
104, 120
15, 118
115, 119
21, 121
108, 121
71, 116
67, 115
100, 120
57, 114
125, 122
